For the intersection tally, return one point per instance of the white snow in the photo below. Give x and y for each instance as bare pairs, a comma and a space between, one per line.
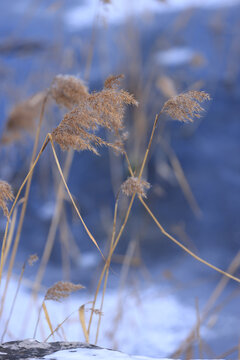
142, 322
175, 56
115, 13
90, 354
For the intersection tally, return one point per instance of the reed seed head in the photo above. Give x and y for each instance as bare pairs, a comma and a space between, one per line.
5, 195
133, 185
103, 109
185, 107
22, 118
32, 259
68, 90
61, 290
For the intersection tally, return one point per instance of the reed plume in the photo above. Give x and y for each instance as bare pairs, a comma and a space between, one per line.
103, 109
5, 195
32, 259
61, 290
135, 185
68, 90
22, 118
186, 106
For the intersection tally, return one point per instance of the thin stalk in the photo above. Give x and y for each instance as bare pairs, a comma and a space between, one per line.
149, 145
71, 198
24, 207
181, 178
53, 226
13, 303
211, 301
59, 325
37, 323
47, 316
126, 215
107, 272
184, 247
12, 259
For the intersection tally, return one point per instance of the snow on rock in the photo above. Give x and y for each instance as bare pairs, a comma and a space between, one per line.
32, 349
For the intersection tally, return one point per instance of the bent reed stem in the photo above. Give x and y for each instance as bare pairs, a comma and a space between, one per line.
70, 196
184, 247
170, 236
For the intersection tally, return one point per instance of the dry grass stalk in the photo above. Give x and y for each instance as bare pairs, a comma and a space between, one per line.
135, 185
58, 327
13, 303
68, 90
211, 301
22, 118
99, 109
116, 240
71, 198
185, 107
5, 195
61, 290
47, 317
81, 313
28, 179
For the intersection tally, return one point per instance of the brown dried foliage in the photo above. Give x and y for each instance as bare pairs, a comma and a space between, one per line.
68, 90
22, 118
99, 109
32, 259
133, 185
185, 107
61, 290
5, 195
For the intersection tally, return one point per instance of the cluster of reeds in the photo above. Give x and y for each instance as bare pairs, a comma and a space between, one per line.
79, 130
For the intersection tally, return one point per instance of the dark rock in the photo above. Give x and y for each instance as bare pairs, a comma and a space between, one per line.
30, 348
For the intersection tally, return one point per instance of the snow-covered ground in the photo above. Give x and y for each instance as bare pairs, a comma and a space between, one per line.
147, 323
83, 15
87, 354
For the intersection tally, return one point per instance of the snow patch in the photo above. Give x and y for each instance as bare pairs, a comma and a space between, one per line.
90, 354
81, 16
144, 322
175, 56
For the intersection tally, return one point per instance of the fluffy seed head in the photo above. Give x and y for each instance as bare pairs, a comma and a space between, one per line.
133, 185
68, 90
99, 109
5, 195
32, 259
61, 290
22, 118
185, 107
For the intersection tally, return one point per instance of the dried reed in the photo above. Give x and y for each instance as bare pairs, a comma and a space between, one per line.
185, 107
5, 195
22, 118
134, 185
61, 290
104, 109
68, 90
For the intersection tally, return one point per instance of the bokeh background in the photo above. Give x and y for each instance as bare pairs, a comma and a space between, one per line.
163, 48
